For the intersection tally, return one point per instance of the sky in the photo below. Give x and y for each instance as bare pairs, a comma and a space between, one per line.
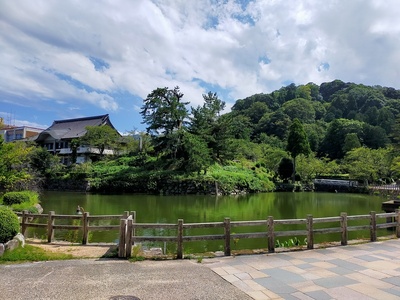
72, 58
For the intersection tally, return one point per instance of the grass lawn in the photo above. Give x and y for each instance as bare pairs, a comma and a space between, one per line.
30, 253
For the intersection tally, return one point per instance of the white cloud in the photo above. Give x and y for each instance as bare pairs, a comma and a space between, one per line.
48, 48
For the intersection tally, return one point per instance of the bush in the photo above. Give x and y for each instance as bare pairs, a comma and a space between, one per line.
9, 224
15, 198
19, 201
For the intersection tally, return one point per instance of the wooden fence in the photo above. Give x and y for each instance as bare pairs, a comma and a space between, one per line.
51, 225
128, 228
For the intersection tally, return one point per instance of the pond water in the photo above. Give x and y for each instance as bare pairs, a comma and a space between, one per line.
200, 208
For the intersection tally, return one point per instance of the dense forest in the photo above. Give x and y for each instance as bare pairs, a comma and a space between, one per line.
296, 133
336, 116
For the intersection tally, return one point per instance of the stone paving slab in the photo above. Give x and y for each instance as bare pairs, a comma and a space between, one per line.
364, 271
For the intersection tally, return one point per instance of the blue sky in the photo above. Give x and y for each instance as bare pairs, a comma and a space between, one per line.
71, 59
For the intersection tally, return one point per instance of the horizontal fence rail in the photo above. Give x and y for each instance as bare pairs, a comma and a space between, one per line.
128, 229
180, 232
26, 221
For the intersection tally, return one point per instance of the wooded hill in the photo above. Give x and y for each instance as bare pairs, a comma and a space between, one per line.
336, 116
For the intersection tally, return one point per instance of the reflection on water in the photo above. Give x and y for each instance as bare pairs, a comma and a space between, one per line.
200, 208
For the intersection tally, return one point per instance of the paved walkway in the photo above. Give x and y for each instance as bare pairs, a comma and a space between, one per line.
366, 271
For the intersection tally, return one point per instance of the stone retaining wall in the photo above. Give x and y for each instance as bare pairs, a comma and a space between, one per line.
156, 186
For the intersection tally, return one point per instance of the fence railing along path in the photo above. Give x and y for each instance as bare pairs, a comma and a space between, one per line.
128, 229
51, 225
385, 187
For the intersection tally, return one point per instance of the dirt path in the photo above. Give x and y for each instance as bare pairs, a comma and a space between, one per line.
77, 250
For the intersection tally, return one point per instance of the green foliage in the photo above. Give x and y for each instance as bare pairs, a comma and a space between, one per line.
44, 163
164, 113
101, 137
24, 200
301, 109
9, 224
197, 154
297, 140
241, 176
11, 198
351, 142
292, 242
336, 134
285, 168
369, 164
79, 171
15, 173
30, 253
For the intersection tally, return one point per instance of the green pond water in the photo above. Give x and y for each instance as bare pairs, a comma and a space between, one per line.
198, 209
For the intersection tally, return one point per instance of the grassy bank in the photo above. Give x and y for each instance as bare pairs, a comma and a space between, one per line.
30, 253
124, 175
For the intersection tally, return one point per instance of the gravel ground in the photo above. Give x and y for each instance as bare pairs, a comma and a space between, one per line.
114, 279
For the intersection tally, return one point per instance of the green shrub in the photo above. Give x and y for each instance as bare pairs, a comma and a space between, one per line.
15, 198
30, 199
9, 224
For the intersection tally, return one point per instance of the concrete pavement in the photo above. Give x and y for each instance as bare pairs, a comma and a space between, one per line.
114, 280
365, 271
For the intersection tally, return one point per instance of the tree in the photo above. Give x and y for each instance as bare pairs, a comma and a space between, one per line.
310, 167
301, 109
351, 142
204, 120
14, 166
163, 111
297, 143
75, 143
101, 137
332, 144
197, 154
44, 163
276, 124
369, 164
285, 168
165, 114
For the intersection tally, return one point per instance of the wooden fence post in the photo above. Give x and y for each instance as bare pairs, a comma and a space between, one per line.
397, 223
50, 229
133, 214
128, 239
310, 232
271, 236
122, 235
343, 226
179, 254
227, 231
373, 226
85, 228
24, 220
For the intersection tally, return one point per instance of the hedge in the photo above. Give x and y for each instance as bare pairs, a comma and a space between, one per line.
9, 224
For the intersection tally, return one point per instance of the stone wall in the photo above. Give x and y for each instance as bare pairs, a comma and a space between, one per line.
161, 186
78, 185
188, 187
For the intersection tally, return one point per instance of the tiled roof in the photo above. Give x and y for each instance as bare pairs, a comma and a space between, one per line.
73, 128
